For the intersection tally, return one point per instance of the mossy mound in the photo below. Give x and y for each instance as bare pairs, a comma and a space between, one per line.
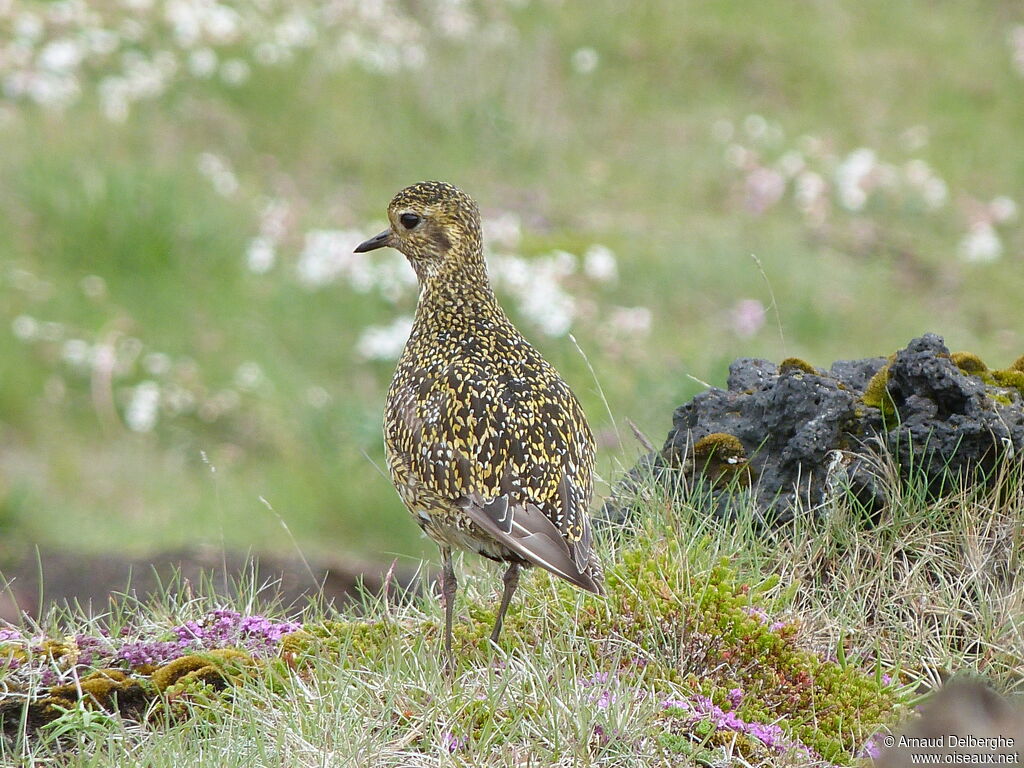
795, 365
876, 394
942, 420
702, 637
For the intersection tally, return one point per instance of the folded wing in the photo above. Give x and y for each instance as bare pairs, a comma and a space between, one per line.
528, 532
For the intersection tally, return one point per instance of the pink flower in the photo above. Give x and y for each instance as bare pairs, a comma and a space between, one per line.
747, 317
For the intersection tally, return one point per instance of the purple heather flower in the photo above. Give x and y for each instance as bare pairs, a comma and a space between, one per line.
757, 613
772, 736
224, 628
604, 738
871, 748
90, 648
150, 652
676, 704
605, 699
735, 697
9, 634
451, 743
598, 678
775, 626
886, 679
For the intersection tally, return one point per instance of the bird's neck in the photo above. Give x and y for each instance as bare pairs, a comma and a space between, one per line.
456, 296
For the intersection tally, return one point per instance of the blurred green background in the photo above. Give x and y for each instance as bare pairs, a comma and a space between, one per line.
189, 351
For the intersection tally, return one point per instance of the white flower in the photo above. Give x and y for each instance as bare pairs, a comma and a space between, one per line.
547, 306
584, 60
810, 188
114, 98
737, 155
852, 177
915, 138
295, 31
260, 255
1016, 40
318, 397
177, 399
93, 286
503, 230
599, 264
935, 192
221, 23
327, 254
77, 353
202, 62
216, 169
141, 413
791, 163
1003, 209
234, 72
274, 219
384, 342
755, 126
561, 263
61, 55
28, 26
512, 272
981, 244
156, 363
917, 172
249, 376
25, 327
102, 41
453, 19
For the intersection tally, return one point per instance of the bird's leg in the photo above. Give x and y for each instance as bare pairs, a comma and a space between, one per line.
448, 588
511, 580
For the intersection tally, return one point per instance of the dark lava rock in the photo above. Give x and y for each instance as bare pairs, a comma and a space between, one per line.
807, 432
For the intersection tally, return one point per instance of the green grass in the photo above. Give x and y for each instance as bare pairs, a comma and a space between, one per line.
622, 156
806, 626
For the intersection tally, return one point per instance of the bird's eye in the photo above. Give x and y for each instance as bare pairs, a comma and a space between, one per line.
409, 220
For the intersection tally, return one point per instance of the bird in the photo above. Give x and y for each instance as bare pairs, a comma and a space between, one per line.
486, 444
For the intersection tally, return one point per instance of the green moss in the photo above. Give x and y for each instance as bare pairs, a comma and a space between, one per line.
1010, 378
968, 362
56, 649
99, 687
795, 365
11, 652
1018, 364
721, 458
719, 444
876, 393
729, 641
212, 667
355, 642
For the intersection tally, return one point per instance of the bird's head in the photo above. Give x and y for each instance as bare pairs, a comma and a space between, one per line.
436, 226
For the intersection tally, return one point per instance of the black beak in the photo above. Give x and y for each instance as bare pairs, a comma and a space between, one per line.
375, 242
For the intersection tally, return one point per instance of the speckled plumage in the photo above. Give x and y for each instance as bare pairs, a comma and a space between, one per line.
486, 444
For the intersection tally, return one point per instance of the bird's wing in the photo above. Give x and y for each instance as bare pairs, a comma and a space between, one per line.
513, 449
530, 534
